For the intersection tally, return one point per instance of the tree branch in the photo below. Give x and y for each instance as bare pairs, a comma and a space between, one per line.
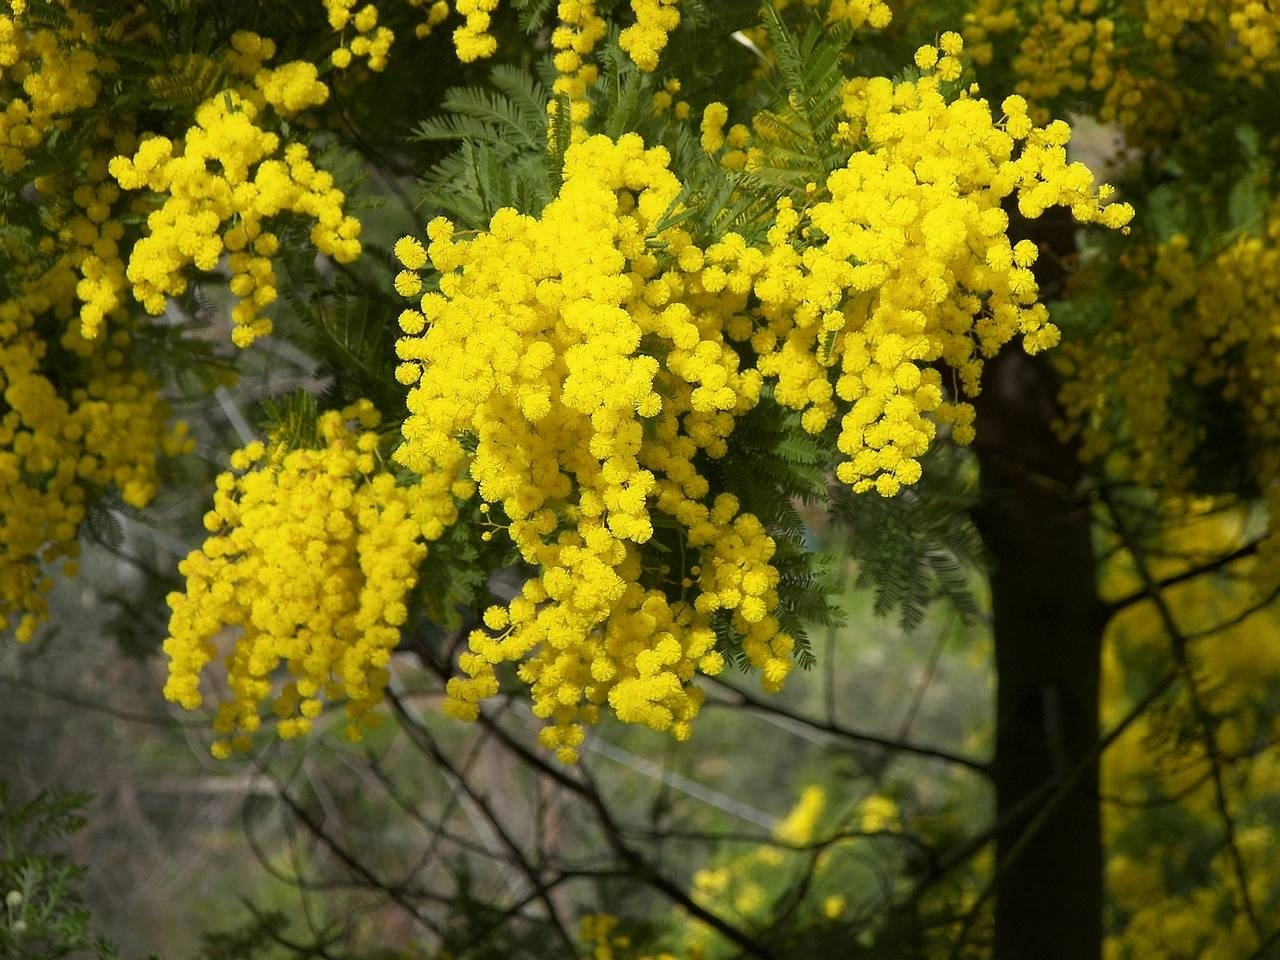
744, 699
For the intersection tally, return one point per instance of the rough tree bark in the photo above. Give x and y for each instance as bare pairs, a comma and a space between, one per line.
1048, 647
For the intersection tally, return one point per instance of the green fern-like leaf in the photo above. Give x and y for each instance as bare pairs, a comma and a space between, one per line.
797, 135
919, 546
534, 14
558, 143
502, 159
291, 419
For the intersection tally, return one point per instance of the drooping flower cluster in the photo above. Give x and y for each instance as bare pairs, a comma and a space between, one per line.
912, 266
645, 39
592, 380
310, 559
224, 188
70, 427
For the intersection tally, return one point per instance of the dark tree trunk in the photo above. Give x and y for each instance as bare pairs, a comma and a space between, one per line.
1047, 646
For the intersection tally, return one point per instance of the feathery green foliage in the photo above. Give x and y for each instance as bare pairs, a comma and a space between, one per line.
502, 160
919, 546
42, 914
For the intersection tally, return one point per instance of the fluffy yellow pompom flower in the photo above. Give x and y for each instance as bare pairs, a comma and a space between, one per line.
411, 253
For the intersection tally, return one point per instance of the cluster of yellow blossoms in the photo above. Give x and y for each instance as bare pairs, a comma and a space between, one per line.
371, 41
78, 414
472, 40
910, 264
665, 100
46, 81
47, 75
587, 442
647, 37
1246, 31
574, 39
312, 555
592, 356
1071, 49
1208, 324
224, 185
62, 444
729, 147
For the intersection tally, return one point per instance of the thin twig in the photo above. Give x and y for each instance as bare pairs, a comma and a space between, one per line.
1204, 717
743, 699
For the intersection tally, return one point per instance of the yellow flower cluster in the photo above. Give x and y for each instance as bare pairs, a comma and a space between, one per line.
714, 117
65, 436
592, 377
472, 40
574, 39
371, 41
224, 185
664, 100
44, 81
645, 39
1066, 46
914, 266
292, 88
435, 13
78, 417
732, 146
1072, 49
1246, 32
311, 557
1209, 324
1068, 49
